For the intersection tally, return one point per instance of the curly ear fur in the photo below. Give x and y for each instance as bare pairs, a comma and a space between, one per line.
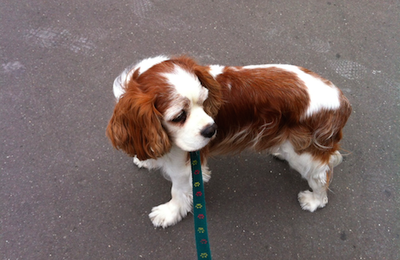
135, 126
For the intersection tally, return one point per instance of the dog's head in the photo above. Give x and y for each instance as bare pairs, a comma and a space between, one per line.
164, 102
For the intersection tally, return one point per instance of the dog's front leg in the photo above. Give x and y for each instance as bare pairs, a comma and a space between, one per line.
179, 172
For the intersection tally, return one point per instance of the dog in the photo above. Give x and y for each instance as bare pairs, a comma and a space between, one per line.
169, 106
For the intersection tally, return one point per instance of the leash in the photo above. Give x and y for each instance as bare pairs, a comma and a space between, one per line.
199, 209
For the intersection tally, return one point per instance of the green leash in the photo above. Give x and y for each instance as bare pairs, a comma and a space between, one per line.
199, 209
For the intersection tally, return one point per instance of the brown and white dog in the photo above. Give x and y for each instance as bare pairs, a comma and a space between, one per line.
169, 106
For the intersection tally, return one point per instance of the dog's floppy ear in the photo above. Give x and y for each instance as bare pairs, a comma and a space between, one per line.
135, 126
214, 100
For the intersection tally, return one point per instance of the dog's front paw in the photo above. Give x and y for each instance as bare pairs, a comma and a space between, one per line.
167, 214
206, 173
148, 164
139, 163
310, 201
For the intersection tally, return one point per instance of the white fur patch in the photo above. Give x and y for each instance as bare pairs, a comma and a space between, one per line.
121, 81
150, 62
215, 70
187, 85
321, 95
119, 84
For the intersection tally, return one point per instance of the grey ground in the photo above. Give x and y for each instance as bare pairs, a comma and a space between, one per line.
65, 193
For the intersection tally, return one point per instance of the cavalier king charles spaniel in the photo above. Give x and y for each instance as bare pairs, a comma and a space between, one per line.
169, 106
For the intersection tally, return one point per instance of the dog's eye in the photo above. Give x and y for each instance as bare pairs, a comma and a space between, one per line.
180, 118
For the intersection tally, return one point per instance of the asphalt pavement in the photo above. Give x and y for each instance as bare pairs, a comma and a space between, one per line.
65, 193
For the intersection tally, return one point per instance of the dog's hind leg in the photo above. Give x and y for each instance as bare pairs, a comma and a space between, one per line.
315, 171
317, 198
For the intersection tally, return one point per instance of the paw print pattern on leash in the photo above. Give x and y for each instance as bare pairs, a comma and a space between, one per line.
199, 209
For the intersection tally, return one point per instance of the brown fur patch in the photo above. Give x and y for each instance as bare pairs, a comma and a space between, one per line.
259, 108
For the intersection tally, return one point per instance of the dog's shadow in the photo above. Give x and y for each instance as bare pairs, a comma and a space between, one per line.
250, 181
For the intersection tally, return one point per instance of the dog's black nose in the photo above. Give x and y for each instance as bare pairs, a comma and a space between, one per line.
209, 131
